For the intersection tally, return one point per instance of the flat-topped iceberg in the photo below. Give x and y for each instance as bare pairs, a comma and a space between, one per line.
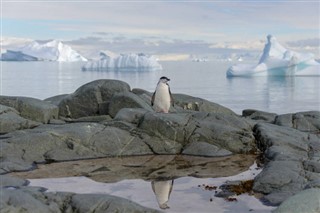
10, 55
123, 62
278, 61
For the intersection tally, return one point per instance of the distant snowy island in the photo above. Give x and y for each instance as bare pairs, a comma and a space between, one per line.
278, 61
52, 50
123, 62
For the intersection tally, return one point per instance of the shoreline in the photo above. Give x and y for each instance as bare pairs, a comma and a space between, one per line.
105, 118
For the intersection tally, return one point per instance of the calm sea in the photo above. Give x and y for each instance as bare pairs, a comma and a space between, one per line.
206, 80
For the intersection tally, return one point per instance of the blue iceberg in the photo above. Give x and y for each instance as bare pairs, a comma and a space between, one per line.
278, 61
11, 55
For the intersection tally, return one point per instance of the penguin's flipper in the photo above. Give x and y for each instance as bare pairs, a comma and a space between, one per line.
171, 98
152, 99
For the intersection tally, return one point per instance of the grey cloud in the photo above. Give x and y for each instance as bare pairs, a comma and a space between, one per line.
314, 42
154, 46
123, 44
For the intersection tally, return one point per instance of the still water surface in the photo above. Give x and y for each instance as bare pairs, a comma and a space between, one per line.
206, 80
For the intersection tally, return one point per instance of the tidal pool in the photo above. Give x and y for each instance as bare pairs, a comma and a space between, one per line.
174, 183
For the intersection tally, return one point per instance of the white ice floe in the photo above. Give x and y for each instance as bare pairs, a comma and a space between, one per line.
52, 51
187, 194
276, 60
123, 62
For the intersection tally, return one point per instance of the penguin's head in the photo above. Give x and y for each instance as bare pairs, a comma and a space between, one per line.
164, 79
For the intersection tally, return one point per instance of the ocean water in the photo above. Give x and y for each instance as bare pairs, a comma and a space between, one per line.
207, 80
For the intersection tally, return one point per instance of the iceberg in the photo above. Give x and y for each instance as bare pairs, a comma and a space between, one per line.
276, 60
11, 55
52, 51
123, 62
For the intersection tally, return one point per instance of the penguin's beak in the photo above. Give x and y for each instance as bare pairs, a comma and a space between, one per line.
168, 79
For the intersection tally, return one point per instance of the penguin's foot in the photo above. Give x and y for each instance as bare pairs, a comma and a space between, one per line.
164, 206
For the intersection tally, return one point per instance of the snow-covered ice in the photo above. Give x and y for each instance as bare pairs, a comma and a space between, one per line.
276, 60
43, 51
123, 62
51, 51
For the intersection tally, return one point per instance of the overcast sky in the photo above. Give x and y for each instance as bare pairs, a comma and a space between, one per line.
164, 26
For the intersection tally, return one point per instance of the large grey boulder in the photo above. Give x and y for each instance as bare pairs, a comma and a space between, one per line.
197, 133
85, 100
74, 141
290, 161
126, 100
156, 143
224, 131
258, 115
130, 115
31, 108
47, 143
34, 200
113, 141
303, 121
107, 203
307, 201
11, 181
27, 200
176, 127
188, 102
55, 100
10, 120
229, 132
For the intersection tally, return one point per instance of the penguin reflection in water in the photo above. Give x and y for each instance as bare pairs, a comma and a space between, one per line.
162, 189
162, 98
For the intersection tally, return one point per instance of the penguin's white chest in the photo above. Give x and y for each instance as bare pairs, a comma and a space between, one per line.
162, 98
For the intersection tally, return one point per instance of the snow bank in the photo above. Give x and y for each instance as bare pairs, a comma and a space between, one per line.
52, 51
123, 62
277, 60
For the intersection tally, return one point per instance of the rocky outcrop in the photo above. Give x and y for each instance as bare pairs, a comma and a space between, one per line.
303, 121
31, 108
221, 130
188, 102
305, 201
85, 100
259, 116
126, 100
292, 156
105, 118
149, 133
10, 120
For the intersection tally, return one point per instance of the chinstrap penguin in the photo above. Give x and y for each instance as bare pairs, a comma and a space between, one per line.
162, 98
